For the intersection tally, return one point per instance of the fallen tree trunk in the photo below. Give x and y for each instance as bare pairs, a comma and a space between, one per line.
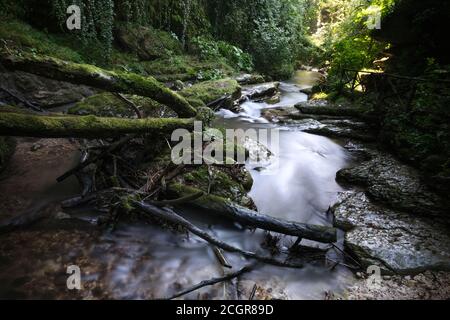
226, 208
172, 217
114, 81
27, 125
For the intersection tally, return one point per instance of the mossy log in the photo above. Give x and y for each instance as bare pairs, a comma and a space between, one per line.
226, 208
114, 81
90, 127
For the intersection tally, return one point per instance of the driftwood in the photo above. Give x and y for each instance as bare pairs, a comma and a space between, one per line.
130, 104
172, 217
27, 125
114, 81
226, 208
213, 281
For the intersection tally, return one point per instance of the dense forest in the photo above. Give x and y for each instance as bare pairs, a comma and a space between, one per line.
111, 92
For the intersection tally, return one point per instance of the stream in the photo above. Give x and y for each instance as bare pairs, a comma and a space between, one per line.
143, 261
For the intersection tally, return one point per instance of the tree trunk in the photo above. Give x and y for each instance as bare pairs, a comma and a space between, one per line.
226, 208
90, 127
115, 81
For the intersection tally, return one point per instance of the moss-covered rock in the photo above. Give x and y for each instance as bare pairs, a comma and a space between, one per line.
226, 182
110, 105
148, 43
209, 91
7, 147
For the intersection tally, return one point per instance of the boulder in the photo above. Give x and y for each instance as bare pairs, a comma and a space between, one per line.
246, 79
321, 107
395, 184
397, 242
264, 90
146, 42
204, 93
41, 91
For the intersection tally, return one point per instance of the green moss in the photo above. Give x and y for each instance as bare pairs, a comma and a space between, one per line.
219, 180
19, 35
209, 91
110, 105
146, 42
86, 126
7, 147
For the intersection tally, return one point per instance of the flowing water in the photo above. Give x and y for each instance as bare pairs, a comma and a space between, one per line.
144, 261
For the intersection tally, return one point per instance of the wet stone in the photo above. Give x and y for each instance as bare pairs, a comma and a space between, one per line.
397, 242
391, 182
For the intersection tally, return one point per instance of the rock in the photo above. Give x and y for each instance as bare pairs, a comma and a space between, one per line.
340, 130
246, 79
280, 114
399, 186
41, 91
261, 90
203, 93
274, 99
178, 85
335, 127
36, 147
307, 90
360, 152
146, 42
286, 114
62, 215
432, 286
321, 107
109, 105
395, 241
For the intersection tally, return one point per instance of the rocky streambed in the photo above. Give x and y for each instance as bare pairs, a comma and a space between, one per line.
330, 173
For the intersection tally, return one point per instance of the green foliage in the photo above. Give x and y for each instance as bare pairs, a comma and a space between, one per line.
273, 31
97, 21
345, 36
210, 49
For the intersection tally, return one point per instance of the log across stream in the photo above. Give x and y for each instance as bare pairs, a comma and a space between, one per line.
145, 261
